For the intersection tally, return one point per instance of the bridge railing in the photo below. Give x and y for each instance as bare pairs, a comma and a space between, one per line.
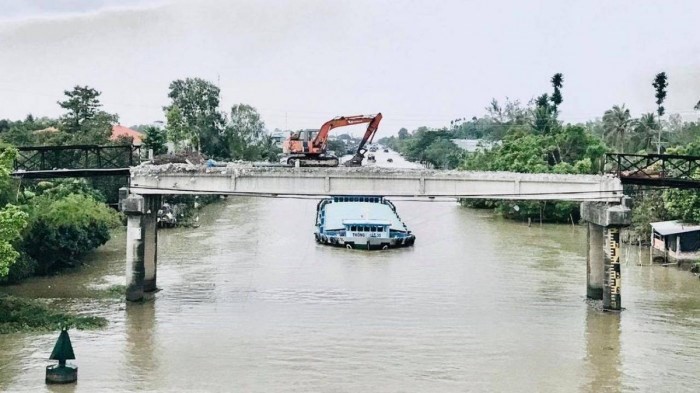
655, 169
47, 158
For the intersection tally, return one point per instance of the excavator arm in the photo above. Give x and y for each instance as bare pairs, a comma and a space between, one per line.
356, 160
322, 137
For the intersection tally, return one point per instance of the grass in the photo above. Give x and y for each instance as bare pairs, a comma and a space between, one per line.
111, 292
27, 315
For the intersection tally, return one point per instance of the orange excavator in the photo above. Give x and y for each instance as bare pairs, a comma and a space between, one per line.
308, 147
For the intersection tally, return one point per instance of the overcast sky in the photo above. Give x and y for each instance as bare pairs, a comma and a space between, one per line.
302, 62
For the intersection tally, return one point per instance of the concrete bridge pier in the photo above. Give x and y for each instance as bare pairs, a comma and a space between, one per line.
603, 281
141, 244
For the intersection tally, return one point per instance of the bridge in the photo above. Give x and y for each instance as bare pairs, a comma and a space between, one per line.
246, 179
603, 205
46, 162
655, 170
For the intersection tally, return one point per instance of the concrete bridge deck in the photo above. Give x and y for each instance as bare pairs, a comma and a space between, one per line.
245, 179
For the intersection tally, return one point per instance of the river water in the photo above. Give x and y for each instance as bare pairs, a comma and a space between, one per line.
250, 303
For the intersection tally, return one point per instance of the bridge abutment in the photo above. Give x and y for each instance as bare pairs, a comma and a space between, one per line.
603, 257
141, 244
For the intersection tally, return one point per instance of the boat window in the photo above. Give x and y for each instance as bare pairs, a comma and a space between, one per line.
352, 228
373, 228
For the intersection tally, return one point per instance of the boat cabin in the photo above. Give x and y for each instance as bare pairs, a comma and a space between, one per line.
675, 241
366, 228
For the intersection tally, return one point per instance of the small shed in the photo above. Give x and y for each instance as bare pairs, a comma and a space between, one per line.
675, 241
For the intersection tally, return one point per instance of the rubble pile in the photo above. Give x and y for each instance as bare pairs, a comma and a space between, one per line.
243, 168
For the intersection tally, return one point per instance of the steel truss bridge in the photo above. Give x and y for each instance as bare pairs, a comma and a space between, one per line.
42, 162
655, 170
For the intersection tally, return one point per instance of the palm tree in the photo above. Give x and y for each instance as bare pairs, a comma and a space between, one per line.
616, 123
643, 132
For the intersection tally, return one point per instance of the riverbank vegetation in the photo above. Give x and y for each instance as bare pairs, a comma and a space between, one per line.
530, 138
50, 225
23, 315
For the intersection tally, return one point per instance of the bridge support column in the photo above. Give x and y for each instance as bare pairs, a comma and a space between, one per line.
141, 244
603, 256
150, 242
594, 261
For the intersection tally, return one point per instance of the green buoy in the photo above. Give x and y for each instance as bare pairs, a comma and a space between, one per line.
62, 351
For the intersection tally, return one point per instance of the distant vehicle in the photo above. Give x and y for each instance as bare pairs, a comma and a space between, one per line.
373, 148
386, 150
389, 160
371, 158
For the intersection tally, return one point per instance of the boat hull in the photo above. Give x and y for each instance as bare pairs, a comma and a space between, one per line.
366, 243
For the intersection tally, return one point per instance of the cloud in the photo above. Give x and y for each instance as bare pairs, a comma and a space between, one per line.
14, 11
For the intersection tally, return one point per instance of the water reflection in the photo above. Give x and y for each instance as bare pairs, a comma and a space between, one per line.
251, 303
142, 352
603, 363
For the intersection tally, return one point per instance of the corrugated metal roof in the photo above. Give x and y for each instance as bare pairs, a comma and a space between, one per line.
366, 222
664, 228
336, 212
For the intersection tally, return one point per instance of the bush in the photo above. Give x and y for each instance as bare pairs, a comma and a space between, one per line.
63, 230
23, 267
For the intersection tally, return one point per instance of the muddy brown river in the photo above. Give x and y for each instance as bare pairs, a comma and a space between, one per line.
250, 303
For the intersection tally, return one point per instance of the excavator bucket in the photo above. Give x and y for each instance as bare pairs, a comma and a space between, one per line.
356, 160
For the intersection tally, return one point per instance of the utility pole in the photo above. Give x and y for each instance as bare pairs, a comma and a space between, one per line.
658, 143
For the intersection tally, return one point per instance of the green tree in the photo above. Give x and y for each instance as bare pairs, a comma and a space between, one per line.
82, 104
83, 122
177, 130
403, 133
660, 84
244, 133
643, 132
155, 140
616, 124
337, 146
546, 107
12, 219
443, 154
64, 229
557, 83
683, 204
194, 116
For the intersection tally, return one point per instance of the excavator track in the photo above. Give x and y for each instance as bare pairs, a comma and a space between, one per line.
322, 162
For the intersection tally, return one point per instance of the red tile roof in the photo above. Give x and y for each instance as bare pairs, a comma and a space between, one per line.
119, 130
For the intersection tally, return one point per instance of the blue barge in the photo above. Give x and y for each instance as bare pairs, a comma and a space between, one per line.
366, 222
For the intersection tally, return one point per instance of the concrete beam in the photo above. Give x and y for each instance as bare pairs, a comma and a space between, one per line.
248, 180
607, 215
